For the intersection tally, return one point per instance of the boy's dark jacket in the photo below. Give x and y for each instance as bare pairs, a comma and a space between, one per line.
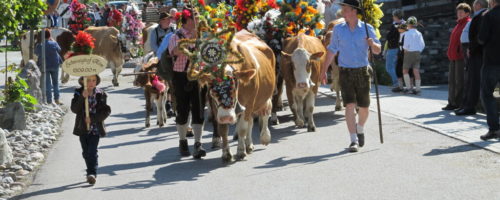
102, 112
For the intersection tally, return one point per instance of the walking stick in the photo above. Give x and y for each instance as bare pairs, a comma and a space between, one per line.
374, 76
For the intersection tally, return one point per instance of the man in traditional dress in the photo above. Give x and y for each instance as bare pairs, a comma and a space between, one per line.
349, 38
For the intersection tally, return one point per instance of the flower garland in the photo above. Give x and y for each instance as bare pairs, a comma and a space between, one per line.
244, 11
299, 17
83, 44
116, 18
79, 19
133, 26
373, 14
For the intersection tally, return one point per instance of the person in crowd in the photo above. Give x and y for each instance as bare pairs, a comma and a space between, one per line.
52, 62
354, 68
490, 73
392, 48
413, 46
456, 57
190, 96
474, 62
90, 128
105, 15
164, 27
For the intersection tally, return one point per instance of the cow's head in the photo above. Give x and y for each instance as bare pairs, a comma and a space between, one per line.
223, 91
144, 79
302, 66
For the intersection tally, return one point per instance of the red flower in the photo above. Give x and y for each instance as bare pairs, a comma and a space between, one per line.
202, 2
186, 14
84, 39
178, 15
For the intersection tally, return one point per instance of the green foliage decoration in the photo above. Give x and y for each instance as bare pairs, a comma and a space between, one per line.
17, 91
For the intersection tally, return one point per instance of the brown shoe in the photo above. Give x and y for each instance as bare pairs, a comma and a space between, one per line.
58, 102
91, 179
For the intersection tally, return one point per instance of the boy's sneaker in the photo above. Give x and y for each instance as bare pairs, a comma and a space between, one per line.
91, 179
397, 89
416, 92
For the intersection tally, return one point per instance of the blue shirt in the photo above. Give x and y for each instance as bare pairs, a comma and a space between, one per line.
52, 57
164, 44
352, 45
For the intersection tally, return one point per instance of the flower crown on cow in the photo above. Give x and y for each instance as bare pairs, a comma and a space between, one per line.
83, 44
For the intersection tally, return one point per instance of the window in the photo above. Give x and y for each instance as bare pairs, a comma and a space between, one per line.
407, 2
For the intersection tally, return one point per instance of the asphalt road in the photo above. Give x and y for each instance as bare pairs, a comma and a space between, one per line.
143, 163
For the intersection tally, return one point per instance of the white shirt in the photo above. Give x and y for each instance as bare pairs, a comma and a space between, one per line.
413, 41
464, 38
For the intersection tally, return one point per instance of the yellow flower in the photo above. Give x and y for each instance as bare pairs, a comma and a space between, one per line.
319, 25
307, 18
312, 10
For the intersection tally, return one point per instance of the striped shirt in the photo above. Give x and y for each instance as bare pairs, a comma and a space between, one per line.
181, 60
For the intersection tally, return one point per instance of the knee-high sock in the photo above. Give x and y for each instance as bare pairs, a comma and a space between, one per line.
182, 130
198, 130
417, 84
407, 81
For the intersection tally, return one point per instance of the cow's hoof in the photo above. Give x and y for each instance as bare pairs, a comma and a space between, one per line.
115, 83
299, 123
338, 108
249, 149
235, 137
311, 129
158, 123
227, 157
265, 139
275, 122
147, 125
161, 125
240, 156
216, 143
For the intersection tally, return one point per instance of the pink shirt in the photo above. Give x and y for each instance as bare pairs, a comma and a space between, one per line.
181, 60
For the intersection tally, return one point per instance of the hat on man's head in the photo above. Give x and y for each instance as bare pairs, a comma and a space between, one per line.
164, 15
402, 26
352, 3
412, 20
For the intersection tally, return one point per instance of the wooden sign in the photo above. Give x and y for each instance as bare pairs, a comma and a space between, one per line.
84, 65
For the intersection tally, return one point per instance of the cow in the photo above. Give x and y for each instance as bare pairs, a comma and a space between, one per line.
155, 91
62, 36
108, 45
335, 86
301, 66
246, 93
146, 31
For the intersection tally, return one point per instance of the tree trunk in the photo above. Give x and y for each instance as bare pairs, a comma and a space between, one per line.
32, 43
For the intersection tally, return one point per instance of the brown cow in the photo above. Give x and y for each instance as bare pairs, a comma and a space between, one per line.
108, 45
152, 93
335, 86
249, 90
301, 65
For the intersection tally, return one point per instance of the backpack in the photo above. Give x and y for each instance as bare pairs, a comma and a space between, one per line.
166, 67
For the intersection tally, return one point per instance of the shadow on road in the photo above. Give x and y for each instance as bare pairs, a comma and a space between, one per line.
52, 190
446, 117
457, 149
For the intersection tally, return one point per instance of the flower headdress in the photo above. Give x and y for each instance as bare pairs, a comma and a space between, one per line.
83, 44
79, 19
373, 14
299, 16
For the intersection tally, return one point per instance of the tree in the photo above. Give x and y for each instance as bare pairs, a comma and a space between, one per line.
17, 12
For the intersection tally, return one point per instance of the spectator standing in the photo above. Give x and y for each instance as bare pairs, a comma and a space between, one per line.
474, 61
331, 9
456, 57
392, 48
52, 62
490, 73
413, 46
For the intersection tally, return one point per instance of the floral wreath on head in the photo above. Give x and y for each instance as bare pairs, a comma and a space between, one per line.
83, 45
299, 16
79, 19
